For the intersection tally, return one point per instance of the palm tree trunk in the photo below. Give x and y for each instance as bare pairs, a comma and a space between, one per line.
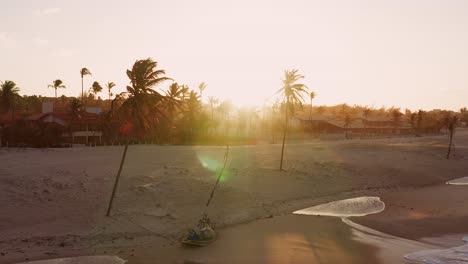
226, 155
82, 88
310, 116
272, 127
122, 161
284, 133
12, 120
55, 93
211, 112
310, 113
450, 144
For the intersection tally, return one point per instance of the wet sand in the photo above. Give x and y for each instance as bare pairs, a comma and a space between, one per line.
283, 239
56, 199
417, 213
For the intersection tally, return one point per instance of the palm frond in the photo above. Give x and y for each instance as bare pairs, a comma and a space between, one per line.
85, 71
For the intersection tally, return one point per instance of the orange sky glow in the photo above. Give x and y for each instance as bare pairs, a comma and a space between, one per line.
410, 53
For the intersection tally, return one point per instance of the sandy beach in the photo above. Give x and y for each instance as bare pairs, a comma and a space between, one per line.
56, 199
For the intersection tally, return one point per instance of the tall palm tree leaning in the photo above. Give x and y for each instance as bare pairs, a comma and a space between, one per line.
83, 73
57, 84
141, 107
292, 93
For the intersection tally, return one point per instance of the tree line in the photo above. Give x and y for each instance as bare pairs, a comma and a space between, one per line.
178, 115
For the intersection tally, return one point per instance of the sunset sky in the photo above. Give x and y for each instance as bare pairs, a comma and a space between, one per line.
408, 53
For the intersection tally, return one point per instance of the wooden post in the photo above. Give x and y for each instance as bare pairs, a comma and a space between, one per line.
284, 134
226, 155
451, 130
117, 179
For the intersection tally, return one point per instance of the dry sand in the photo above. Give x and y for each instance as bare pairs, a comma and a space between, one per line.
54, 200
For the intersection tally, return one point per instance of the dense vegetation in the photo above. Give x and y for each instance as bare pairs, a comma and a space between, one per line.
183, 115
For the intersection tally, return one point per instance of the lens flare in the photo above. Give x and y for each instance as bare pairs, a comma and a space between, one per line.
214, 164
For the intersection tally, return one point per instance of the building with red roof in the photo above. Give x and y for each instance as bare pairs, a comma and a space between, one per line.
85, 128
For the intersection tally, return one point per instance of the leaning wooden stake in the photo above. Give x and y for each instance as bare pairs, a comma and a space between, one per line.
219, 176
451, 127
117, 179
284, 134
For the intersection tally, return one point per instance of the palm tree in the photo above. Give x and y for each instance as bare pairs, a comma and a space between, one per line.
172, 99
312, 96
292, 93
8, 96
347, 120
96, 88
141, 105
450, 123
109, 87
274, 109
212, 101
184, 91
57, 84
419, 121
75, 110
172, 103
366, 113
412, 119
464, 115
202, 88
83, 73
193, 105
396, 116
225, 108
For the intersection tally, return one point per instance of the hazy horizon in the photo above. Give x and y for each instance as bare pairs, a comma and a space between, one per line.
411, 54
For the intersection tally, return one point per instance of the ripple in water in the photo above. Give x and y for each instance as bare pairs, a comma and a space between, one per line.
459, 181
360, 206
455, 255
